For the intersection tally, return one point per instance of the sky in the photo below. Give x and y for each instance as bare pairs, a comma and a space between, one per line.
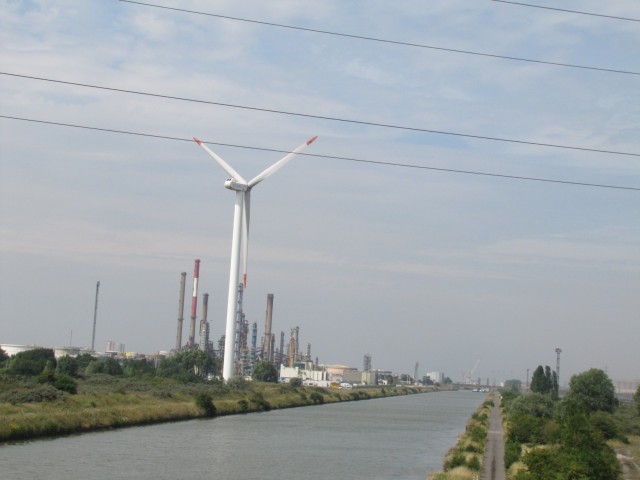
376, 241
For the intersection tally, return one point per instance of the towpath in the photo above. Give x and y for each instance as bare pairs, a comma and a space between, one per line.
494, 454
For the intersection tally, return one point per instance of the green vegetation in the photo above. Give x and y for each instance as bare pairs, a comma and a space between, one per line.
594, 391
545, 381
265, 372
547, 438
464, 460
84, 394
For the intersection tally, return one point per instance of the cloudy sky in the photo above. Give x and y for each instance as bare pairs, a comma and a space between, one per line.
375, 242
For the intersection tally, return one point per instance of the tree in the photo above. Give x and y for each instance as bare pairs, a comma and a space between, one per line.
109, 366
3, 357
513, 385
544, 381
137, 367
265, 372
555, 388
636, 398
534, 404
539, 381
190, 364
83, 361
67, 366
593, 390
31, 362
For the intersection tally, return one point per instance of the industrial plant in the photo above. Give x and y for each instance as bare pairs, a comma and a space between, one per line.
285, 351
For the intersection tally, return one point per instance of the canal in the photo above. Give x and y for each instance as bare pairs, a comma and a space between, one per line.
391, 438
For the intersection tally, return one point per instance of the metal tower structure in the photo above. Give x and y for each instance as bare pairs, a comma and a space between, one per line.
254, 339
366, 363
558, 352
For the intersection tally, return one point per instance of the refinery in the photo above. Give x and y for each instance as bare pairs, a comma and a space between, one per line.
285, 351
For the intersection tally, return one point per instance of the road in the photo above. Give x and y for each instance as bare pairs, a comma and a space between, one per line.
494, 454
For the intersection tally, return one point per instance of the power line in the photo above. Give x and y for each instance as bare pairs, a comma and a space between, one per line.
322, 117
330, 157
382, 40
569, 11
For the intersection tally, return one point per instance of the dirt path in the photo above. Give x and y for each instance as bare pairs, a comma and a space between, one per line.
494, 454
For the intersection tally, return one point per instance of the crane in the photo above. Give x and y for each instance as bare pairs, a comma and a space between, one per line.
468, 378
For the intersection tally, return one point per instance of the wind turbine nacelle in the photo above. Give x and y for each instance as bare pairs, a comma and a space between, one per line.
232, 184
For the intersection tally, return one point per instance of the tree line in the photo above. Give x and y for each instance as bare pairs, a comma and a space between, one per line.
190, 365
548, 437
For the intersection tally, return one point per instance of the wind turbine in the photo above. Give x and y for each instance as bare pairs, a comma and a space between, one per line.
240, 238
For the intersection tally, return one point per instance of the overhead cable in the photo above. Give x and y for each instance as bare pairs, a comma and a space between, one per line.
331, 157
569, 11
322, 117
382, 40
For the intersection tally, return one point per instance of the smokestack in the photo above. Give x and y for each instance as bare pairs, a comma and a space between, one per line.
183, 277
268, 349
95, 318
194, 304
204, 325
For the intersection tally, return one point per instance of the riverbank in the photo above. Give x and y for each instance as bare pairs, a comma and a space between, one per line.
465, 460
29, 411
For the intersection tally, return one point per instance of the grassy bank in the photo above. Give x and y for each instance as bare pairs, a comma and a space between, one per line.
464, 460
30, 410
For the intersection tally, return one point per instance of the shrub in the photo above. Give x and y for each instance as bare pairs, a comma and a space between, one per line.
457, 459
31, 362
511, 452
243, 405
205, 403
42, 393
66, 384
605, 423
237, 383
474, 464
260, 402
317, 398
295, 382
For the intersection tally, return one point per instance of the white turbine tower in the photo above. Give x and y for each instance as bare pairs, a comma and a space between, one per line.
240, 238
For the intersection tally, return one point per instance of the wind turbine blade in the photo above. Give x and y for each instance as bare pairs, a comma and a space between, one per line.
227, 168
245, 235
279, 164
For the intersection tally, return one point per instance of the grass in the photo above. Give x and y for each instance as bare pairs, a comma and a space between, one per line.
105, 402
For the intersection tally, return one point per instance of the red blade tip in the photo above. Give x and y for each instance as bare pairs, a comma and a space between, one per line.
309, 142
197, 141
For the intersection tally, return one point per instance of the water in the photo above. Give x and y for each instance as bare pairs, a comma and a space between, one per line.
392, 438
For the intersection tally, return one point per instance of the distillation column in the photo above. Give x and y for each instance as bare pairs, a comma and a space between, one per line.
183, 277
194, 304
204, 325
266, 348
